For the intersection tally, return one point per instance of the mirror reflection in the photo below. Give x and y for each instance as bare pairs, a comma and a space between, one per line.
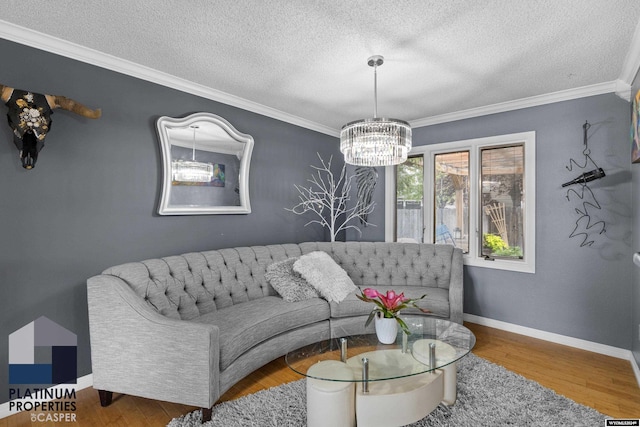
206, 164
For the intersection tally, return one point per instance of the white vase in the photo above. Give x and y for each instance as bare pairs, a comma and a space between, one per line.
386, 329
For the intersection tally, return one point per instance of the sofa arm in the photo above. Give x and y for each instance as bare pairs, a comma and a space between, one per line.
456, 288
135, 350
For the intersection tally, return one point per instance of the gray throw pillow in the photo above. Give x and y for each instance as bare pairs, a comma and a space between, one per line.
288, 283
325, 275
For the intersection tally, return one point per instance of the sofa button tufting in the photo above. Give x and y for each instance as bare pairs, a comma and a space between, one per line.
219, 279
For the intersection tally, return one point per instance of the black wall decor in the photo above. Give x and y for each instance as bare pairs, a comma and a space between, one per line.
585, 225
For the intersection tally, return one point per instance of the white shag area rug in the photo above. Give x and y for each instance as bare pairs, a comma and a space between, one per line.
488, 395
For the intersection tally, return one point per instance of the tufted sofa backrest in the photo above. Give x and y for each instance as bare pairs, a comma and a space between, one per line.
190, 285
390, 264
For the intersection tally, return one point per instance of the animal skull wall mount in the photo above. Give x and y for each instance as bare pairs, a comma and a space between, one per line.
29, 117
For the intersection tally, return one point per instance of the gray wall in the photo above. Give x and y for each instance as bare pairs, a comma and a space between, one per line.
581, 292
91, 200
635, 199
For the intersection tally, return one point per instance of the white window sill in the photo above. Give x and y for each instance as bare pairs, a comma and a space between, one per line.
520, 266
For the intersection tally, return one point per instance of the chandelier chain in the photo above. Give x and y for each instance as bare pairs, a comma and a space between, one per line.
375, 90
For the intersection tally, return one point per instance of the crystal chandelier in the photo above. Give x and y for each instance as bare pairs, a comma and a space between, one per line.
191, 170
376, 141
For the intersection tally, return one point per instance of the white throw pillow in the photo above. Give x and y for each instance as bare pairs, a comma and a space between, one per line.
325, 275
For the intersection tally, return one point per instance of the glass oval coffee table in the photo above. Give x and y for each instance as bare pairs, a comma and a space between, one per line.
398, 383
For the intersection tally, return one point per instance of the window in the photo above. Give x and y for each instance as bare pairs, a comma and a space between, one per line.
478, 195
410, 199
502, 178
451, 199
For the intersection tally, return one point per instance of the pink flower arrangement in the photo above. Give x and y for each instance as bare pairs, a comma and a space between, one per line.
389, 305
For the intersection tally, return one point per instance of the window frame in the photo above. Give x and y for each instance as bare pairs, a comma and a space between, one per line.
474, 256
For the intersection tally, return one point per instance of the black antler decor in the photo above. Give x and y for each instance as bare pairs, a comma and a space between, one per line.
583, 224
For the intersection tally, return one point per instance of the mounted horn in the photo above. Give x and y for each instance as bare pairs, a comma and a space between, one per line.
58, 101
5, 93
29, 117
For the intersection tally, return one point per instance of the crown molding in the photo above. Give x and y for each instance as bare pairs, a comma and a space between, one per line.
18, 34
623, 90
534, 101
631, 63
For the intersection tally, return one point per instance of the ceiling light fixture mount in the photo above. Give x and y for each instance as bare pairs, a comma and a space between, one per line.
376, 141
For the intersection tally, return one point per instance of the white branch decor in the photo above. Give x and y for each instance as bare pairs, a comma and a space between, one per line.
327, 199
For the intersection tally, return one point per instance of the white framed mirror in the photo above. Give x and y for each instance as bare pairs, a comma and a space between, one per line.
205, 166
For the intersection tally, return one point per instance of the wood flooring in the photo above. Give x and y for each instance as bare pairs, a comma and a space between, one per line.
605, 383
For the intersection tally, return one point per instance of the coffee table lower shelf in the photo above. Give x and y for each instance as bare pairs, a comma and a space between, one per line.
392, 402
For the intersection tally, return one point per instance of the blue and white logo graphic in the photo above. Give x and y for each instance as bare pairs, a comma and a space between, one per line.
43, 352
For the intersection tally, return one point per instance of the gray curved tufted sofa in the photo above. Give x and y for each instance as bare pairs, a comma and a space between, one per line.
186, 328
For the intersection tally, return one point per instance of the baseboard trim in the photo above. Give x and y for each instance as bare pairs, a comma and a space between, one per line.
81, 383
636, 369
607, 350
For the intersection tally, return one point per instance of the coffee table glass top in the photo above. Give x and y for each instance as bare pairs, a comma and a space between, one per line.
385, 361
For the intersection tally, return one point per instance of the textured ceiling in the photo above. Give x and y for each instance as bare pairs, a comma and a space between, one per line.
308, 58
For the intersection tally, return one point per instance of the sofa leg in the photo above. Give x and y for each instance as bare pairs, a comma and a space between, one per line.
206, 414
105, 397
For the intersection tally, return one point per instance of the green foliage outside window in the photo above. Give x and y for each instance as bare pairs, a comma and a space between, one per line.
498, 247
493, 242
410, 179
445, 190
511, 251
